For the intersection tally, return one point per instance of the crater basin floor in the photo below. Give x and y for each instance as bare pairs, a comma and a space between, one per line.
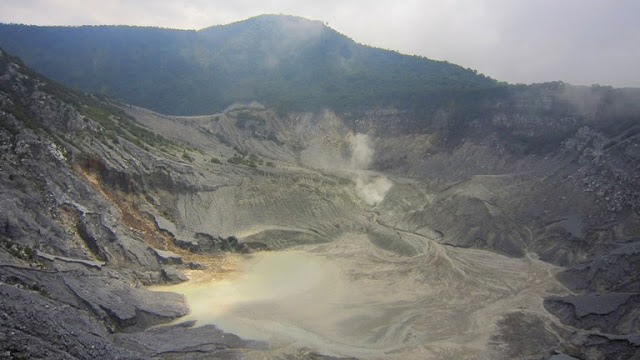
351, 298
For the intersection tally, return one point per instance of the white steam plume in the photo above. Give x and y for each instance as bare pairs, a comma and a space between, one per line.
361, 152
371, 188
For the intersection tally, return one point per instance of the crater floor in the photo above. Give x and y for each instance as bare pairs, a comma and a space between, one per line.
351, 298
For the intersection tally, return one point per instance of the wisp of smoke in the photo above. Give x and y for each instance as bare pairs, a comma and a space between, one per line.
361, 152
370, 188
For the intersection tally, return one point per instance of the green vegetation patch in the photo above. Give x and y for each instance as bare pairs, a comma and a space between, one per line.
19, 251
249, 160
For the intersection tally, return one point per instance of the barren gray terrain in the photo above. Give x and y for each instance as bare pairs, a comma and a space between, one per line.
325, 236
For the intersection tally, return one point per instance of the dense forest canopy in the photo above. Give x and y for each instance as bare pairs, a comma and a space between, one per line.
283, 61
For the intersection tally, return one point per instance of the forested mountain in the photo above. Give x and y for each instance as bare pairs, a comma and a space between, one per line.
282, 61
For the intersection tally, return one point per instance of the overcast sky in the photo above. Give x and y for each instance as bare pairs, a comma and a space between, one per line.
582, 42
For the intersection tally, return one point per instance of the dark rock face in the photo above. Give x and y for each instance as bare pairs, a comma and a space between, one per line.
208, 243
611, 313
173, 276
188, 342
128, 308
34, 327
525, 336
614, 270
75, 250
607, 306
605, 346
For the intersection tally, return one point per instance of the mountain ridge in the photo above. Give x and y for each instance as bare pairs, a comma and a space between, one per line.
281, 60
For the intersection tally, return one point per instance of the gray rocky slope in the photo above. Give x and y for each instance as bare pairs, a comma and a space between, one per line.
100, 201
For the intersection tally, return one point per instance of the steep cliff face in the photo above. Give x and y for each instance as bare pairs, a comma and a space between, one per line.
78, 238
100, 199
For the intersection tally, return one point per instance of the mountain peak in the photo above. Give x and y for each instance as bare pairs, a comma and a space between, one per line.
281, 20
279, 25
